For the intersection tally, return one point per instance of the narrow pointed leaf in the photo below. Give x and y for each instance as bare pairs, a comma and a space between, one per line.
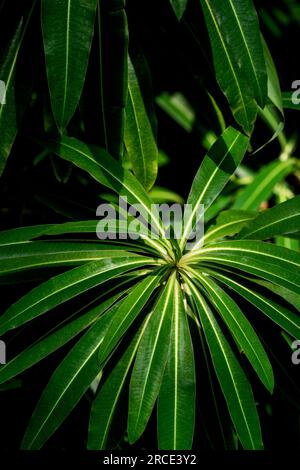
176, 401
105, 404
215, 171
22, 234
238, 56
67, 385
285, 318
11, 108
15, 258
177, 107
241, 329
261, 188
273, 263
113, 77
238, 23
128, 310
64, 287
274, 90
8, 117
179, 7
233, 381
150, 363
272, 113
160, 195
228, 223
53, 341
68, 29
139, 139
141, 235
102, 167
279, 220
291, 297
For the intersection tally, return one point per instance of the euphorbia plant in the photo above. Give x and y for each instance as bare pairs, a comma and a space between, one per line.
153, 310
159, 292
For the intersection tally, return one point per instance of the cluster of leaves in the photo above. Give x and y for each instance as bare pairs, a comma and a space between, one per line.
155, 318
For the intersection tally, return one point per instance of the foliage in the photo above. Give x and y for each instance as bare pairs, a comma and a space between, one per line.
150, 319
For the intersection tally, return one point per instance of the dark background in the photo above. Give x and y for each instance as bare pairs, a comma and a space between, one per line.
32, 192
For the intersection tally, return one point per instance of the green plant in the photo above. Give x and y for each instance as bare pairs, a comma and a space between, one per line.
151, 309
171, 288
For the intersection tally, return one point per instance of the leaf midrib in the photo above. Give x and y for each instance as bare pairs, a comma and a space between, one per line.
109, 420
226, 361
264, 183
203, 280
66, 77
222, 227
73, 284
158, 225
273, 223
74, 376
248, 50
243, 106
261, 298
166, 304
203, 193
244, 249
141, 141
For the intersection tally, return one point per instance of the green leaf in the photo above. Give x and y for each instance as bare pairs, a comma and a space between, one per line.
219, 205
275, 122
179, 7
273, 263
289, 101
10, 110
144, 75
8, 117
239, 25
160, 195
140, 234
53, 341
64, 287
291, 297
215, 171
68, 29
274, 91
279, 220
67, 385
233, 381
176, 400
286, 319
241, 329
106, 401
289, 243
139, 139
177, 107
228, 223
102, 167
22, 234
113, 78
238, 56
127, 312
150, 363
261, 188
272, 113
15, 258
